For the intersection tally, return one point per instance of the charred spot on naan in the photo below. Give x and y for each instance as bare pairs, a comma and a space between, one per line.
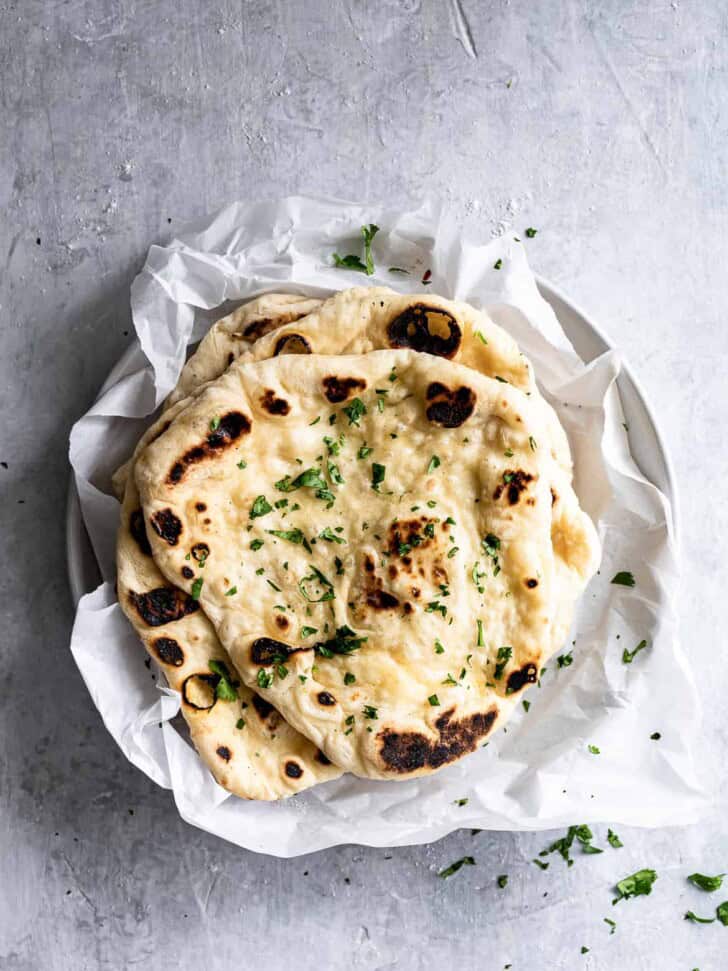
326, 699
267, 650
198, 691
282, 622
187, 573
200, 551
167, 525
293, 770
449, 407
340, 389
139, 532
224, 752
527, 674
163, 605
262, 707
169, 652
427, 329
531, 583
320, 757
292, 344
406, 752
515, 481
264, 325
274, 405
228, 430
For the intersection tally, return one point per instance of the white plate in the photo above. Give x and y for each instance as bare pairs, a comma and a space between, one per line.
646, 442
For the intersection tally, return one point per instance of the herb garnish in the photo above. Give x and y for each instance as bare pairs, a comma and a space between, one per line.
353, 262
261, 507
264, 679
364, 451
502, 881
434, 701
457, 865
503, 657
196, 588
439, 649
498, 264
624, 578
215, 423
565, 660
349, 678
256, 545
354, 411
224, 689
291, 536
325, 586
689, 915
378, 473
481, 642
614, 841
594, 750
433, 464
369, 711
344, 641
531, 232
308, 631
706, 883
612, 924
491, 546
562, 846
242, 464
629, 656
635, 885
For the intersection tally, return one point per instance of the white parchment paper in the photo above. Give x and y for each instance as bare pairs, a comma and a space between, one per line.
536, 774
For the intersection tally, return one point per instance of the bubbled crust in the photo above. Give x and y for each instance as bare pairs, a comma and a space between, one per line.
381, 724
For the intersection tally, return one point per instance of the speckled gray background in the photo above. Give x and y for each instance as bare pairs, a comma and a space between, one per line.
604, 124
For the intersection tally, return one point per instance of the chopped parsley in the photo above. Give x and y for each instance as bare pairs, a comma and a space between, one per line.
317, 579
231, 592
594, 750
624, 578
364, 451
457, 865
706, 883
309, 479
540, 864
481, 642
433, 464
398, 269
215, 423
349, 678
722, 913
264, 679
477, 575
256, 545
434, 606
502, 881
439, 649
242, 464
655, 736
614, 841
240, 723
498, 264
261, 507
335, 475
353, 262
378, 473
291, 536
565, 660
563, 845
532, 443
434, 701
316, 420
629, 656
224, 689
480, 337
354, 411
503, 657
339, 566
344, 641
689, 915
491, 546
330, 536
531, 232
308, 631
635, 885
526, 704
612, 924
461, 802
196, 588
370, 712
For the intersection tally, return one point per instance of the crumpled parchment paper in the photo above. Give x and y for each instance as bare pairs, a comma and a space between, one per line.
536, 774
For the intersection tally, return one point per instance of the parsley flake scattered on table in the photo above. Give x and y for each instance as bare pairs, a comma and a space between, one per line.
706, 883
624, 579
354, 262
635, 885
457, 865
629, 656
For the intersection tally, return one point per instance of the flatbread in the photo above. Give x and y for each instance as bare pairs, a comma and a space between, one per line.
249, 748
225, 341
363, 319
441, 613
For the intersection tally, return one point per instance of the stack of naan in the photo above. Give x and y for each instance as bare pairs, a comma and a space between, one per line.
351, 539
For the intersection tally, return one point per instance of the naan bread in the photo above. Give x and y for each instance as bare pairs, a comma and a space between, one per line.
362, 319
379, 529
226, 340
231, 335
249, 748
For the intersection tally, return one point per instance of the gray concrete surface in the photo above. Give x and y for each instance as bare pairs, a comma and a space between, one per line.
604, 125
